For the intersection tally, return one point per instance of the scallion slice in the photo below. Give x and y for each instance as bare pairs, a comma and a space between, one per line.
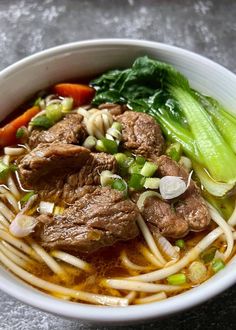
218, 265
152, 183
148, 169
136, 181
176, 279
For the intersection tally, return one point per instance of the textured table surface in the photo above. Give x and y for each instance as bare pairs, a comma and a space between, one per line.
207, 27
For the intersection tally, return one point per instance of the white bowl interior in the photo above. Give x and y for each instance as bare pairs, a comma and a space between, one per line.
89, 58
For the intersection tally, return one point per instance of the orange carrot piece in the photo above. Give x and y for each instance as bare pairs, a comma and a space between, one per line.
81, 94
8, 132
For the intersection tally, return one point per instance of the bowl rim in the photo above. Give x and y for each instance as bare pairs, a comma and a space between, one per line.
134, 313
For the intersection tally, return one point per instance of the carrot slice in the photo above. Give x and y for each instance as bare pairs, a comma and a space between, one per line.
8, 132
81, 94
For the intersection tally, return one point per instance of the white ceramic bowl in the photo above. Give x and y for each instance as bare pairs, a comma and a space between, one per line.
88, 58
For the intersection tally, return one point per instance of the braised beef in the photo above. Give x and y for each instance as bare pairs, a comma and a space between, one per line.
68, 130
50, 159
63, 184
159, 214
141, 134
98, 218
89, 174
190, 206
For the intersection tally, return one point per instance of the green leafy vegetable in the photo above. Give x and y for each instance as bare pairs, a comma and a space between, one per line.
185, 117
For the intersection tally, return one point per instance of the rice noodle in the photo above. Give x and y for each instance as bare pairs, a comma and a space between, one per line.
149, 240
13, 151
232, 219
11, 199
19, 244
131, 296
6, 212
49, 261
149, 256
141, 286
130, 265
225, 229
166, 247
12, 187
150, 299
18, 253
72, 260
189, 257
20, 262
54, 288
3, 221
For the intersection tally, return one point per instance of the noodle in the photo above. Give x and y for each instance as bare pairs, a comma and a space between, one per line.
6, 212
149, 240
189, 257
45, 285
11, 199
72, 260
129, 264
225, 228
49, 261
140, 286
152, 298
20, 262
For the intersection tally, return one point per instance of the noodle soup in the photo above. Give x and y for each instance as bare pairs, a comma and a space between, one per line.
108, 191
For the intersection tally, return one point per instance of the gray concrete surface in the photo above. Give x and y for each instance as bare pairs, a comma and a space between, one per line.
207, 27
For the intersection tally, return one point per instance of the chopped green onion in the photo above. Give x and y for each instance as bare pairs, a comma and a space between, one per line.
197, 272
119, 184
21, 132
208, 255
140, 160
100, 146
4, 171
90, 142
135, 168
136, 181
148, 169
26, 197
120, 158
217, 265
67, 104
109, 137
116, 125
176, 279
110, 146
180, 243
106, 178
54, 112
114, 133
152, 183
37, 101
174, 151
42, 121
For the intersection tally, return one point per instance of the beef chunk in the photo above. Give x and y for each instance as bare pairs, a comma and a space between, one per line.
177, 217
190, 206
89, 174
114, 109
64, 185
69, 130
50, 159
141, 134
159, 215
99, 218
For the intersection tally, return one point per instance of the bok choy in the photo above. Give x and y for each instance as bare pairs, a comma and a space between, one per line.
206, 132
